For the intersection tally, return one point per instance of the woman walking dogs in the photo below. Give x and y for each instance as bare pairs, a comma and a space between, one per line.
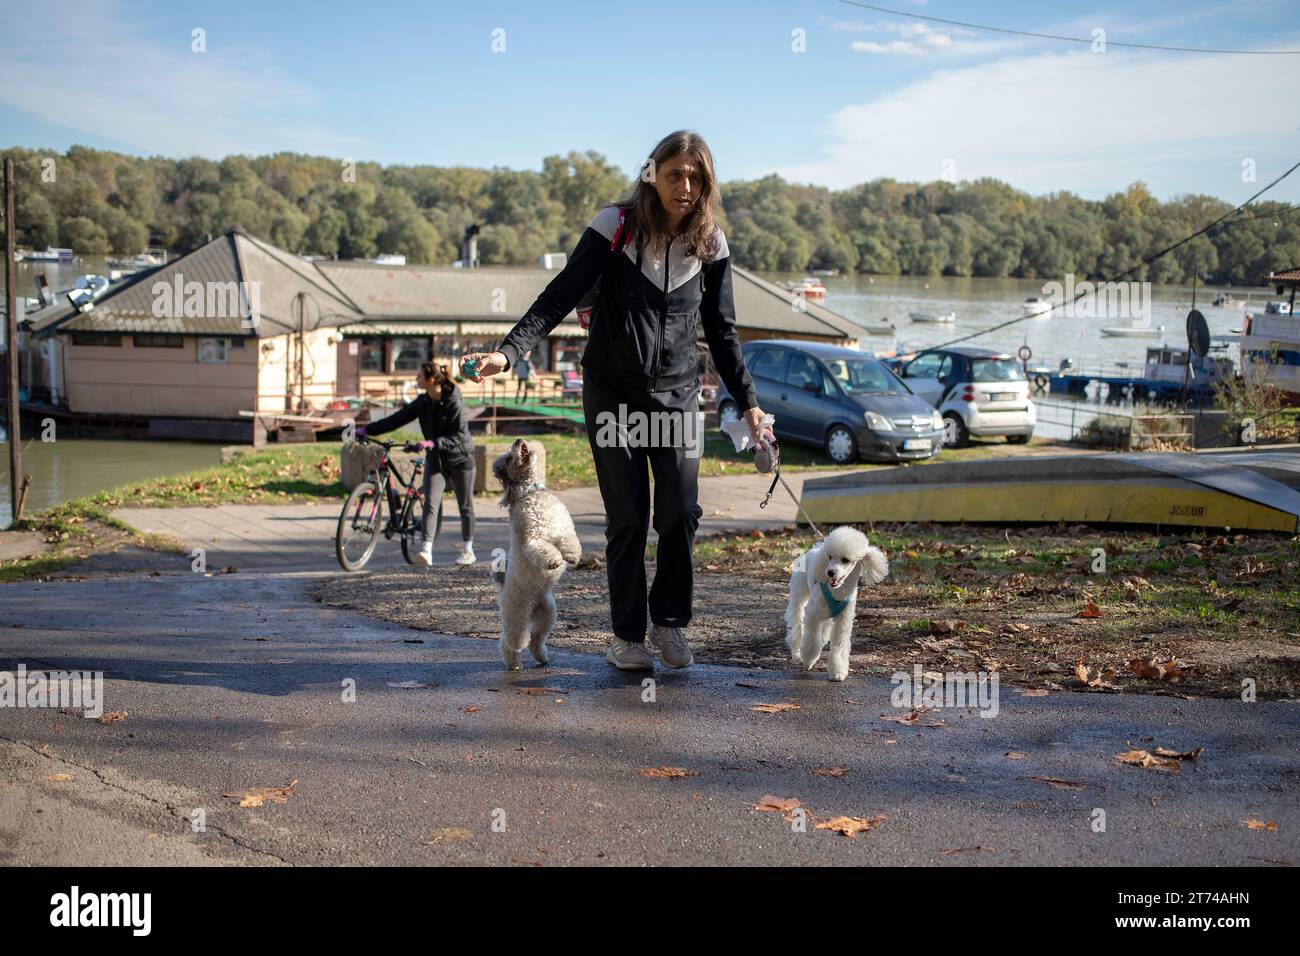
450, 455
662, 270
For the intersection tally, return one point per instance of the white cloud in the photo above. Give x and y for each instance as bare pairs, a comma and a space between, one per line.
919, 39
98, 74
1081, 121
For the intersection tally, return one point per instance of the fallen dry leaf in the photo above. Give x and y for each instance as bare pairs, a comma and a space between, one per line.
538, 691
774, 708
256, 796
831, 771
1259, 824
1089, 610
1148, 760
112, 718
449, 835
1057, 784
912, 718
1034, 692
1014, 755
1155, 669
1096, 676
59, 777
850, 826
776, 804
1193, 754
470, 709
666, 773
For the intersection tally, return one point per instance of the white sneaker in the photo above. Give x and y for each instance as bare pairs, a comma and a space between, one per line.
425, 556
627, 656
673, 649
466, 553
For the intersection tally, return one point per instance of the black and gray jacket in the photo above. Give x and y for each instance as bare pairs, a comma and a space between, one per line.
647, 318
443, 422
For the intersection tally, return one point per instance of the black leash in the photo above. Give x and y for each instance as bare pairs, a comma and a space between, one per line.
798, 507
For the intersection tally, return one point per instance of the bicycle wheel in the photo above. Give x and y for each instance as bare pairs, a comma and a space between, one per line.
411, 531
359, 526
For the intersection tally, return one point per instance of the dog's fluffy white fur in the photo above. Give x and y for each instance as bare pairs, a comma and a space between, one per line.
843, 560
542, 542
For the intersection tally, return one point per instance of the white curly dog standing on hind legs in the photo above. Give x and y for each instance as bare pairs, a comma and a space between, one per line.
542, 542
824, 597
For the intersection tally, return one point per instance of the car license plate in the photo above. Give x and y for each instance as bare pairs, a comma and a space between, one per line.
1003, 397
916, 444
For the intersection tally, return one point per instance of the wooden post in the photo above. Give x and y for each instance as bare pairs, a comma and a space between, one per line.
16, 492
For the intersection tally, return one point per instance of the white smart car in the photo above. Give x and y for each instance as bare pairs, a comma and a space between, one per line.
978, 391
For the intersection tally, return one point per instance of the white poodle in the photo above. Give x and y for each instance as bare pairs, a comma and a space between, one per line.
542, 542
824, 597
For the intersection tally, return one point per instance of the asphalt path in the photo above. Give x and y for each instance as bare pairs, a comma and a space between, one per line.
238, 681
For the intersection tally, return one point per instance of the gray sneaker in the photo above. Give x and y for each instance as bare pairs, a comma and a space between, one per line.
673, 649
627, 656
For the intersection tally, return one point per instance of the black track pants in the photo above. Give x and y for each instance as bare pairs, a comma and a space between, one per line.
435, 484
624, 486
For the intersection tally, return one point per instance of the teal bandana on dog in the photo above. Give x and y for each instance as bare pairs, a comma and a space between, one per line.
836, 606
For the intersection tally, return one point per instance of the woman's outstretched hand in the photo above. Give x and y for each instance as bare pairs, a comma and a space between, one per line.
483, 364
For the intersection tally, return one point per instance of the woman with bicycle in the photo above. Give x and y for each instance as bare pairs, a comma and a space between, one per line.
663, 273
449, 453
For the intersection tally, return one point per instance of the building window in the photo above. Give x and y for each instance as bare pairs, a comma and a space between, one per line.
213, 351
408, 354
157, 340
372, 356
96, 338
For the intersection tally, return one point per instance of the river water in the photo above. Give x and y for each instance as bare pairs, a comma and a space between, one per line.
73, 467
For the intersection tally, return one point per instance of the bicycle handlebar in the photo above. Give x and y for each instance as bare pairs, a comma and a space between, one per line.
389, 445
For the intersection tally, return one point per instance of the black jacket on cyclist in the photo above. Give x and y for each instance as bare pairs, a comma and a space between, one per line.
442, 422
648, 315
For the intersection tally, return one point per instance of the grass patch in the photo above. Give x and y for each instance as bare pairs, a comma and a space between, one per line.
75, 531
1226, 606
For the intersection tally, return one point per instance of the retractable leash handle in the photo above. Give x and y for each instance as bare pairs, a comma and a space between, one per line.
767, 459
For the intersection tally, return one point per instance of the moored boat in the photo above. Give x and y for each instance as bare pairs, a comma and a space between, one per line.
1132, 332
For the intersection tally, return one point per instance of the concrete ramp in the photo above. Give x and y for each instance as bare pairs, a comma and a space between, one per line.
1244, 490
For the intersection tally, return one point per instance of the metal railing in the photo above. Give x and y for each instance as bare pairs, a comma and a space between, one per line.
1117, 428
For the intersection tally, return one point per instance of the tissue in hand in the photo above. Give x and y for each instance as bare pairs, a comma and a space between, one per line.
738, 431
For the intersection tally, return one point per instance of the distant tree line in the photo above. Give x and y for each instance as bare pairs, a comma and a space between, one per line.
98, 202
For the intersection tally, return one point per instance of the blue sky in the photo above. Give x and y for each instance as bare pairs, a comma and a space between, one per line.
872, 94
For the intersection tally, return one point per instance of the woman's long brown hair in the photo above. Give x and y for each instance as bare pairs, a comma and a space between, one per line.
644, 213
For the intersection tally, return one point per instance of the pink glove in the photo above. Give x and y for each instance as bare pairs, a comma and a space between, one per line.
426, 445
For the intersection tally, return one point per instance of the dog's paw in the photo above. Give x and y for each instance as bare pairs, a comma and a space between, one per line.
539, 653
512, 659
837, 676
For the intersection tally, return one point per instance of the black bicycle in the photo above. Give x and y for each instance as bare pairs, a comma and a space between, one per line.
362, 520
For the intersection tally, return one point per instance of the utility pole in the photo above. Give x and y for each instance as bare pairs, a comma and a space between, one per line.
11, 342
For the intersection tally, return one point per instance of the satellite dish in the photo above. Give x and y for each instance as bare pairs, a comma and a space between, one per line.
1198, 333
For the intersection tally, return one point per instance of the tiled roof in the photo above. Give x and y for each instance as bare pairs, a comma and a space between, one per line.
271, 275
365, 296
1290, 275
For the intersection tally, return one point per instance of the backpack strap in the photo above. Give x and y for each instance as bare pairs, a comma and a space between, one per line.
621, 235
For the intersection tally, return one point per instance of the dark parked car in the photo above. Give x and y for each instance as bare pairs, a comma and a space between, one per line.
846, 401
